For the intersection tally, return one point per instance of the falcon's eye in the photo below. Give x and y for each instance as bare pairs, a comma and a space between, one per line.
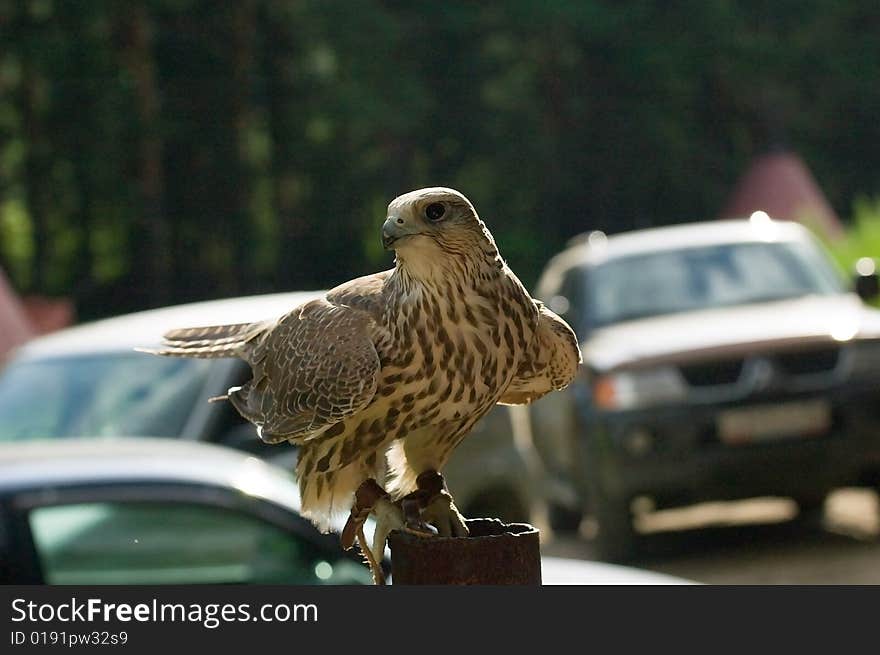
435, 211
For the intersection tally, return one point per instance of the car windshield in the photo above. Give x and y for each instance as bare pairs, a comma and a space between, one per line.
107, 394
671, 281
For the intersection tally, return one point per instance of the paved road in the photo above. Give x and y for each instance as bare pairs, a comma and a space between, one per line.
758, 542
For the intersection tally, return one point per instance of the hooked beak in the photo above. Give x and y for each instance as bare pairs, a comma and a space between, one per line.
394, 229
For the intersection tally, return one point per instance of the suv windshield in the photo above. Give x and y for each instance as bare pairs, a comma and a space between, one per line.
671, 281
108, 394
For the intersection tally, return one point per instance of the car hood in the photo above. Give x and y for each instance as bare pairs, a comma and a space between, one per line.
731, 330
564, 571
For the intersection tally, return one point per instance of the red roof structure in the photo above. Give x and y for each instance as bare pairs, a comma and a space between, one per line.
780, 184
15, 328
48, 314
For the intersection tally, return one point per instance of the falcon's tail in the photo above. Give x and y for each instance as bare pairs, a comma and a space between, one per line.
207, 342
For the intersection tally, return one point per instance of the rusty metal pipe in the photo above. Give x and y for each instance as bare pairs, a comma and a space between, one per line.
495, 553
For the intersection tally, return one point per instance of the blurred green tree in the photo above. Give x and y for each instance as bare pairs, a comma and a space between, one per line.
167, 150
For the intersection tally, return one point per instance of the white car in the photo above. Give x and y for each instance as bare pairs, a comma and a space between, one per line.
161, 511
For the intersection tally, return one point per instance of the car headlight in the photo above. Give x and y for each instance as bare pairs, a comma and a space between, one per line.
637, 389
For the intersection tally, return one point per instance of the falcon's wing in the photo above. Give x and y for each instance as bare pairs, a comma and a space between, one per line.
316, 366
551, 363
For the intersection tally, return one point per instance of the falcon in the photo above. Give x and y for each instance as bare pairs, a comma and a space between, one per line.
379, 380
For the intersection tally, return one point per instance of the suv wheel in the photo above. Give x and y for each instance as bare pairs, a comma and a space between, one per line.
617, 537
811, 508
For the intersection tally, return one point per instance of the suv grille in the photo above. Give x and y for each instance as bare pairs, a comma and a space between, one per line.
707, 374
806, 362
796, 366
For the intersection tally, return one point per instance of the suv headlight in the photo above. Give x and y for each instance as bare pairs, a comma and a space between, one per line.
638, 389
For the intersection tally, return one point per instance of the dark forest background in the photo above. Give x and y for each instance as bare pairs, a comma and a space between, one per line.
159, 151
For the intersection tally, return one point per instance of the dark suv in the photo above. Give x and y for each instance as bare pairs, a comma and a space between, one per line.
722, 360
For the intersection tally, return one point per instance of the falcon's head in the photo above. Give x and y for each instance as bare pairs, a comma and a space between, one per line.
435, 219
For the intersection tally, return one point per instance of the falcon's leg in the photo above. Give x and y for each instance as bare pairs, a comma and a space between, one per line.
436, 505
390, 517
370, 498
375, 566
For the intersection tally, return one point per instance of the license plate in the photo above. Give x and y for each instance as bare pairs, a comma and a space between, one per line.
772, 422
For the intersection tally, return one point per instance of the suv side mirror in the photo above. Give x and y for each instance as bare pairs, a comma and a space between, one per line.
867, 282
559, 304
